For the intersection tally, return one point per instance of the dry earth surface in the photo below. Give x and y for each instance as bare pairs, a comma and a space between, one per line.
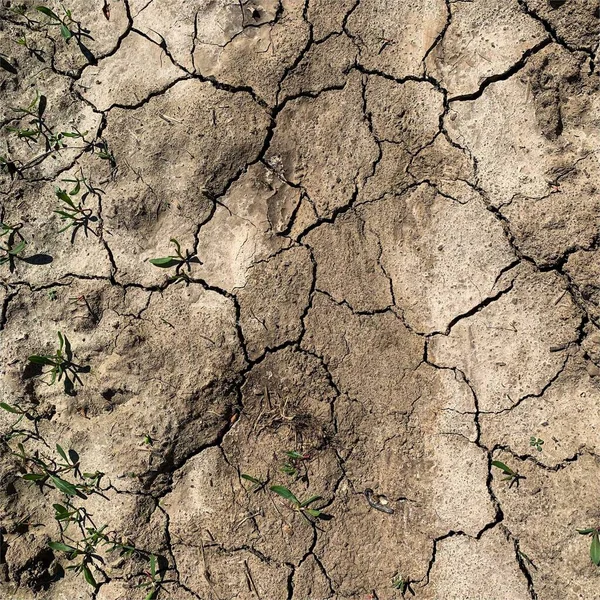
389, 279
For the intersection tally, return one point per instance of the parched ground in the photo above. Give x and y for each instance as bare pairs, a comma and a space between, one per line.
388, 297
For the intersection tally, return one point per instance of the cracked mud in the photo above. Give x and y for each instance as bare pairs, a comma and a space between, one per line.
386, 277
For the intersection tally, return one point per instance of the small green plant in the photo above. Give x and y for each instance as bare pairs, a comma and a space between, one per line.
257, 483
294, 464
21, 414
61, 365
86, 550
49, 471
73, 211
154, 579
511, 475
179, 260
103, 152
300, 506
402, 584
594, 532
527, 559
536, 443
37, 128
69, 28
13, 246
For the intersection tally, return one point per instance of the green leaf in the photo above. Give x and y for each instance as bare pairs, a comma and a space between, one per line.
285, 493
595, 549
77, 187
165, 262
87, 575
62, 547
503, 467
65, 32
251, 479
60, 193
64, 486
310, 501
586, 531
18, 248
313, 512
40, 360
62, 453
153, 565
62, 512
9, 408
46, 11
295, 455
34, 477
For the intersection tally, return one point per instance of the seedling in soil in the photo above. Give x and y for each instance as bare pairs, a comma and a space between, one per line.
74, 213
511, 475
33, 51
61, 365
594, 532
257, 483
69, 28
154, 579
14, 244
49, 471
21, 414
86, 550
178, 261
402, 585
301, 507
294, 463
38, 129
105, 153
536, 443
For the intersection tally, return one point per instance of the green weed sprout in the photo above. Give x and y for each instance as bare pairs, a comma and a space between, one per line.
536, 443
154, 579
294, 462
61, 365
13, 246
179, 260
401, 584
595, 545
72, 210
299, 506
511, 475
67, 25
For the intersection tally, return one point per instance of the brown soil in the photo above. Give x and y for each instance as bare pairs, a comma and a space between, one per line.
388, 215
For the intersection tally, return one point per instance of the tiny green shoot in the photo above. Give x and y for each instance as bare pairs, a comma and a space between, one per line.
536, 443
61, 365
402, 584
594, 532
510, 475
300, 506
178, 260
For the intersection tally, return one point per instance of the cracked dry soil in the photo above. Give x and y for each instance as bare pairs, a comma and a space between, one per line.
392, 214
